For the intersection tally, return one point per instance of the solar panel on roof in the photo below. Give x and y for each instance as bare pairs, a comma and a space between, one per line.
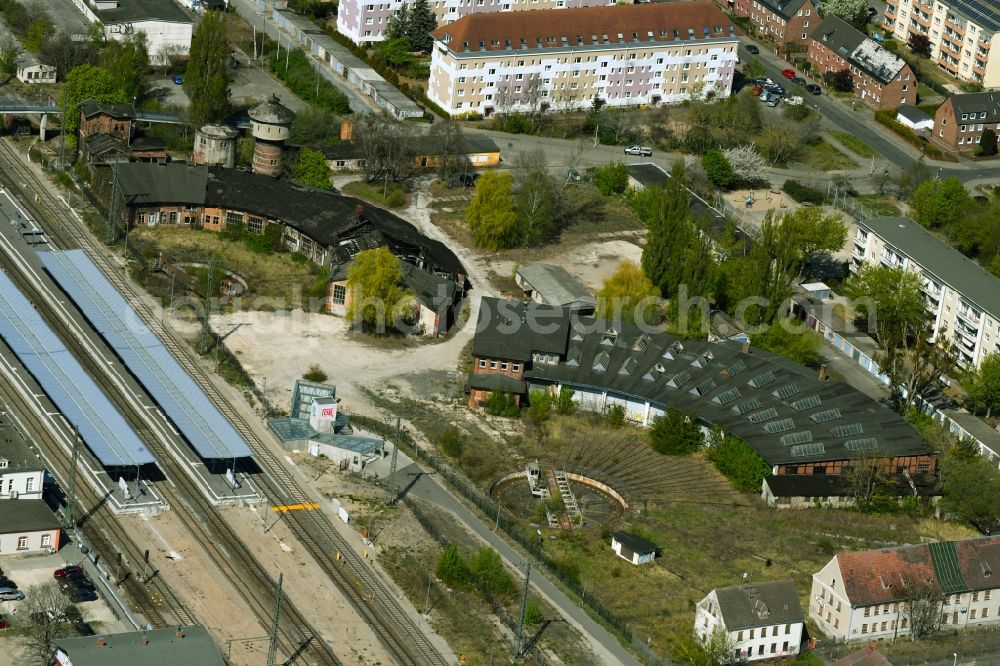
67, 384
787, 391
735, 368
807, 402
863, 444
828, 415
748, 406
763, 415
726, 397
794, 438
810, 449
762, 379
847, 430
779, 426
174, 390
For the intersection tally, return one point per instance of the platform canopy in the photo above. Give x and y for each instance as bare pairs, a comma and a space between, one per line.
69, 387
184, 402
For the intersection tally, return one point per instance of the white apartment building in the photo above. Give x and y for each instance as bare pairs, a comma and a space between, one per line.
626, 55
763, 620
961, 34
364, 21
869, 595
962, 297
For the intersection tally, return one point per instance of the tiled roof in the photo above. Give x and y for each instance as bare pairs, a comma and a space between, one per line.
851, 44
976, 103
786, 9
759, 605
587, 27
979, 560
866, 656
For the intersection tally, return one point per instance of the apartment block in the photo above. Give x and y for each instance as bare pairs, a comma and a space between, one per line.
624, 55
763, 620
961, 34
882, 79
962, 297
784, 22
880, 594
959, 123
364, 21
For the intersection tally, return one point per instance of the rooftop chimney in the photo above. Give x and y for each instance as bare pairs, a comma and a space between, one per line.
101, 642
822, 372
509, 296
180, 633
346, 129
143, 641
746, 346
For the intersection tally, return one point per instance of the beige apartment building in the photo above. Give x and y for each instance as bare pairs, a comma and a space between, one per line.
624, 55
961, 34
962, 297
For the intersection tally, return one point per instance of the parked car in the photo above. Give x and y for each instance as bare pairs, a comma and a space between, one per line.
177, 79
788, 73
764, 95
645, 151
82, 584
776, 89
79, 596
752, 49
10, 594
757, 90
798, 80
775, 99
4, 622
72, 613
794, 100
813, 89
66, 571
83, 629
7, 582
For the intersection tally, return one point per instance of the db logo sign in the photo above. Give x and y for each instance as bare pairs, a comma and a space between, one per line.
327, 411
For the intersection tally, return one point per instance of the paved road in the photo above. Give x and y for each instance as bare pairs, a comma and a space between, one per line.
429, 488
64, 15
248, 10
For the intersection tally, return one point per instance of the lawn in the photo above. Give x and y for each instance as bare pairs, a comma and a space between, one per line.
394, 195
853, 143
824, 157
923, 92
879, 205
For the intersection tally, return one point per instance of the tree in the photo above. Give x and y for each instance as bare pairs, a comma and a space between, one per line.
491, 215
207, 77
912, 177
715, 648
451, 568
42, 607
396, 51
718, 168
315, 126
891, 300
419, 26
777, 144
941, 203
852, 11
38, 32
983, 385
747, 163
127, 61
970, 484
628, 295
755, 69
988, 142
801, 346
739, 462
538, 199
676, 433
452, 163
64, 53
922, 604
387, 148
866, 478
398, 23
919, 44
9, 54
611, 178
488, 568
378, 302
916, 365
565, 405
88, 82
311, 168
841, 80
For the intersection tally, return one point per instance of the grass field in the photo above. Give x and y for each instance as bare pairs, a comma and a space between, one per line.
879, 205
853, 143
824, 157
394, 197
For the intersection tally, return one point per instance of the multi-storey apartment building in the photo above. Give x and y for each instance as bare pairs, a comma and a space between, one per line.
623, 55
364, 21
961, 34
881, 594
763, 620
882, 79
959, 122
791, 21
962, 297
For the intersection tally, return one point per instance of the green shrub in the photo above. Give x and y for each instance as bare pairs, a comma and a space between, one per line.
611, 178
488, 568
303, 80
501, 403
616, 416
737, 461
803, 193
888, 118
676, 433
315, 374
533, 614
540, 406
564, 403
396, 199
451, 568
451, 442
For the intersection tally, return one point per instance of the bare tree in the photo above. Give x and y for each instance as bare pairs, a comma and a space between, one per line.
914, 364
452, 162
42, 611
387, 148
921, 607
866, 477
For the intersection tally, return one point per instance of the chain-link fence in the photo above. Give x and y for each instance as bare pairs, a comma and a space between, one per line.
839, 197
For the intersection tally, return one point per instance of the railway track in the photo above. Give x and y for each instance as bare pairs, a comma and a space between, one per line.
366, 592
200, 517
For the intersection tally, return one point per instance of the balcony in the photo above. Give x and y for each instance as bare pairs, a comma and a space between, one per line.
969, 317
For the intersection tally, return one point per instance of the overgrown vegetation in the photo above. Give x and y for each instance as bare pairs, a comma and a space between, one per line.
737, 461
296, 72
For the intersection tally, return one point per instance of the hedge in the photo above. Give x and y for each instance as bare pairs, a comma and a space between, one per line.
888, 118
803, 193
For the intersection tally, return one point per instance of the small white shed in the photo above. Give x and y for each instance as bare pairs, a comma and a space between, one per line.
29, 70
350, 452
816, 290
633, 548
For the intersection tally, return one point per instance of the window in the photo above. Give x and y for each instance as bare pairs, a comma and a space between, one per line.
788, 629
868, 611
784, 646
234, 218
864, 628
482, 363
986, 612
986, 595
493, 365
46, 540
340, 296
774, 648
504, 365
515, 367
173, 217
739, 636
29, 484
22, 543
751, 634
972, 614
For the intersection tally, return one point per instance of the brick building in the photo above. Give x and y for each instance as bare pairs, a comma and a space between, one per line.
114, 120
784, 22
882, 79
959, 123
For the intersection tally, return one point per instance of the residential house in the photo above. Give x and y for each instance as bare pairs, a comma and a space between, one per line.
960, 121
438, 297
783, 21
962, 298
763, 620
633, 548
799, 422
882, 79
21, 473
553, 285
622, 55
114, 120
961, 34
175, 646
880, 594
27, 526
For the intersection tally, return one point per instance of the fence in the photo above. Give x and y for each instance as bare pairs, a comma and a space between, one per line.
528, 542
839, 197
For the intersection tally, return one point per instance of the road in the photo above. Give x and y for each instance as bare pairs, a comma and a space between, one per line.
430, 489
248, 10
64, 15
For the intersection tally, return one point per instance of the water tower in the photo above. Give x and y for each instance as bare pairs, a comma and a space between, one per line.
215, 145
270, 123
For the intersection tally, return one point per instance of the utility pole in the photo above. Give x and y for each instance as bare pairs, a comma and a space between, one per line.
272, 650
71, 489
62, 136
391, 485
113, 207
205, 328
524, 608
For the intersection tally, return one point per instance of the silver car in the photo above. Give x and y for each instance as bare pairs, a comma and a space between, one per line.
10, 594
